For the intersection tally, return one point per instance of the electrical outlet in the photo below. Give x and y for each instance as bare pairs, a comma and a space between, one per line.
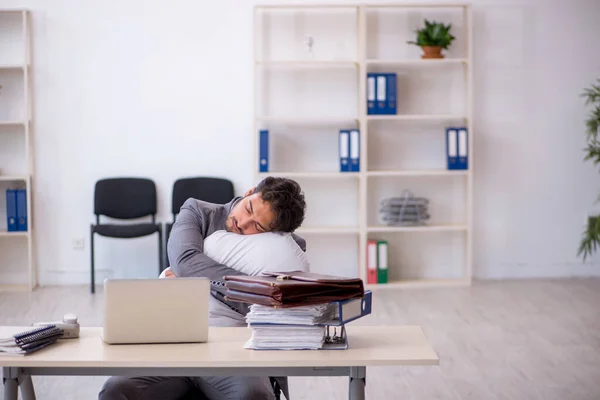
78, 244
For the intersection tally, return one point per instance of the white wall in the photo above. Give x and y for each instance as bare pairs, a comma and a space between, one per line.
166, 88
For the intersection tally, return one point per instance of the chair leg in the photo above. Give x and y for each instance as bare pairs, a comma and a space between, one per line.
93, 283
168, 227
160, 252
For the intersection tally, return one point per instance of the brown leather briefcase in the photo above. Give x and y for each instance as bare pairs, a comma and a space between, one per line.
290, 289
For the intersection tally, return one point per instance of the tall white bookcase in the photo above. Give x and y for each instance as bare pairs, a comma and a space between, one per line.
310, 79
17, 271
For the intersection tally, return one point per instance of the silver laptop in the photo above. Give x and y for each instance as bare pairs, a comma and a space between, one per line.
168, 310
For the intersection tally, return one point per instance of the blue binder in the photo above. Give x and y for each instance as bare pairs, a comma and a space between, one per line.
371, 93
381, 93
390, 107
349, 310
21, 210
263, 151
344, 150
463, 148
452, 148
11, 210
354, 150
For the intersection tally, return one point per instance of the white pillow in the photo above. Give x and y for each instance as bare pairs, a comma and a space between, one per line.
250, 254
253, 254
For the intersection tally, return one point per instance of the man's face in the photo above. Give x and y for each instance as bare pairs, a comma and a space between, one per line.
250, 215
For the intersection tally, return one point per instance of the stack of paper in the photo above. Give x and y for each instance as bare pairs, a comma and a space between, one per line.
287, 337
293, 328
303, 315
404, 210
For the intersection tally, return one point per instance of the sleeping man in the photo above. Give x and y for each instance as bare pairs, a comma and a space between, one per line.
246, 236
251, 255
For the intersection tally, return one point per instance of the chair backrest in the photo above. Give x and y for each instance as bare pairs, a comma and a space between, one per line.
125, 198
213, 190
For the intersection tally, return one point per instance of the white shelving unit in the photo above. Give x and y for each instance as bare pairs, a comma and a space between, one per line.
17, 269
318, 56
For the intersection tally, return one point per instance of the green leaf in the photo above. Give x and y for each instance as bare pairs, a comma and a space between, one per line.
592, 125
592, 152
592, 94
590, 239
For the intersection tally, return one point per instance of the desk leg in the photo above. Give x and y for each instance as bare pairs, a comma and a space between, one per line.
11, 385
14, 379
26, 384
358, 376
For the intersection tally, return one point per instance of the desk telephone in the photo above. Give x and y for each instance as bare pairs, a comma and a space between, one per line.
69, 325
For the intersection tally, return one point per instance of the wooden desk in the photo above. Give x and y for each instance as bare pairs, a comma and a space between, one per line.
222, 355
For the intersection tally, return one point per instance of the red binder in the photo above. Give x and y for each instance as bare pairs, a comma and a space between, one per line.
372, 261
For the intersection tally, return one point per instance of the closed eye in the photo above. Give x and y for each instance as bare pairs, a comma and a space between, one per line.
258, 226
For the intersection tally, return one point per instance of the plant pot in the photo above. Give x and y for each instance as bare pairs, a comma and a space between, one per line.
432, 52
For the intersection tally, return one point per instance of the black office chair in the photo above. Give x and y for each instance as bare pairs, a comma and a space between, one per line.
212, 190
125, 198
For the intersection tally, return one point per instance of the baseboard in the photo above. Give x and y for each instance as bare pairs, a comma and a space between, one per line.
63, 278
529, 271
14, 278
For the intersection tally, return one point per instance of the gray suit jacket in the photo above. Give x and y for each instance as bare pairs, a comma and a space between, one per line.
195, 222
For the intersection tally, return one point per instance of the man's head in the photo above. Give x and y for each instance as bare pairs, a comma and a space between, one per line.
276, 204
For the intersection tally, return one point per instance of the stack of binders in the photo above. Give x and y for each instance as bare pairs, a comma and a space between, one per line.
404, 210
349, 150
377, 261
457, 148
313, 327
16, 210
381, 93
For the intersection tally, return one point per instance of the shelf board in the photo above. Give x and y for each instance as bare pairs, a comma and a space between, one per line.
307, 64
327, 120
417, 5
12, 123
11, 178
419, 283
424, 172
304, 6
418, 61
10, 67
13, 10
324, 230
14, 288
415, 117
420, 228
13, 234
319, 175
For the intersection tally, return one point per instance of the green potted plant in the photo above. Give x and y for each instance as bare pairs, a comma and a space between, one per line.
433, 38
591, 235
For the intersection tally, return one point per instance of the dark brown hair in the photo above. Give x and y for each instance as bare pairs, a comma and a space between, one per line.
286, 200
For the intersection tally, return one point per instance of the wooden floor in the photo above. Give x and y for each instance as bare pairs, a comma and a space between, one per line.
517, 340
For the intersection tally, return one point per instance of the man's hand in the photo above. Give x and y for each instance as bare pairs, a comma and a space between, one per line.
169, 274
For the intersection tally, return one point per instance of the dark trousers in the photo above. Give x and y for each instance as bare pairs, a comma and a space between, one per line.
176, 388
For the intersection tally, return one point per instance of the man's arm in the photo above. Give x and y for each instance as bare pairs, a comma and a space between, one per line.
186, 252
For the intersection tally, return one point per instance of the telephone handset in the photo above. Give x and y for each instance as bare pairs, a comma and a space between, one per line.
69, 325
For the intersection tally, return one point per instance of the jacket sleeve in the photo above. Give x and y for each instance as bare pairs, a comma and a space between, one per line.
186, 252
301, 242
